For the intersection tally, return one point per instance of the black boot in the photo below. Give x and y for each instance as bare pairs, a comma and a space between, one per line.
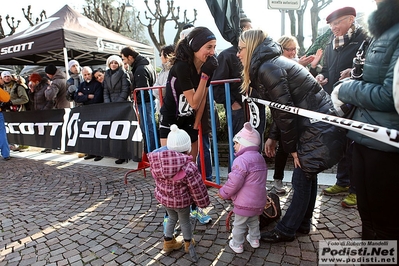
274, 237
120, 161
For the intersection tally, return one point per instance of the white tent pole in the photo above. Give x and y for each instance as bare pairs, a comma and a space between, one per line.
66, 68
66, 62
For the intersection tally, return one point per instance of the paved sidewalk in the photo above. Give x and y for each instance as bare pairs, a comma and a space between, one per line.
58, 212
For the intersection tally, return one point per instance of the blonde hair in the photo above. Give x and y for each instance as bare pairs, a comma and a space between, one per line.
286, 40
252, 39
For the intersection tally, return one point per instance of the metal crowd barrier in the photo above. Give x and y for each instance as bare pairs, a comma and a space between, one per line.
214, 145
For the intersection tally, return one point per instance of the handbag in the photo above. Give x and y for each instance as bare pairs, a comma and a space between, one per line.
271, 211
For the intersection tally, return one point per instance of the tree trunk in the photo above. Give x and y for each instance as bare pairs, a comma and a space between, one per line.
300, 36
291, 15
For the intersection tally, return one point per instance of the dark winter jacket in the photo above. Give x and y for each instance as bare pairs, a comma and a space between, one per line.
229, 68
41, 98
93, 87
340, 59
75, 79
143, 76
279, 79
116, 86
373, 95
58, 86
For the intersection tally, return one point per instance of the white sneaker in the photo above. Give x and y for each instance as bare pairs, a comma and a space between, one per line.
238, 249
253, 242
278, 186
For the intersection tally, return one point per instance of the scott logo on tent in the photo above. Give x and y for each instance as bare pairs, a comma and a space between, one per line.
17, 48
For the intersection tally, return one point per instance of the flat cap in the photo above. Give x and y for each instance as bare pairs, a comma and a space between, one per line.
345, 11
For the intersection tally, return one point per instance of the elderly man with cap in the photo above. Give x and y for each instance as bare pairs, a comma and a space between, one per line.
339, 53
75, 73
338, 61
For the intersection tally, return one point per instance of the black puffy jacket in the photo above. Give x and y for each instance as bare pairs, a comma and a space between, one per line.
279, 79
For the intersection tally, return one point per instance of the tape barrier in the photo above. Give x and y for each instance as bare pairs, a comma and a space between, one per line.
383, 134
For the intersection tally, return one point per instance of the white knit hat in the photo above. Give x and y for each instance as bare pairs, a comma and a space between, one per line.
178, 140
114, 58
72, 63
5, 74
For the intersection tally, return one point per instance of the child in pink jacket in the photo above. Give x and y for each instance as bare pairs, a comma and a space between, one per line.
178, 185
246, 187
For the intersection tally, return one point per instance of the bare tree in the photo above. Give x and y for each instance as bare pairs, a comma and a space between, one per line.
104, 14
14, 25
154, 16
29, 18
317, 6
118, 19
11, 24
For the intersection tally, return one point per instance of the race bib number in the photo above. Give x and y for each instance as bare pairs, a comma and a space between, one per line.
184, 107
254, 116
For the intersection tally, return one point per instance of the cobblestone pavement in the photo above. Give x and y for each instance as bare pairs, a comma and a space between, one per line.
63, 213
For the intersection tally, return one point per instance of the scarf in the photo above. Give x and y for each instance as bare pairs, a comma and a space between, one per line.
340, 41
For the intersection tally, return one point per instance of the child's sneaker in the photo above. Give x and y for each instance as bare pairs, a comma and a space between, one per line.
253, 242
238, 249
199, 214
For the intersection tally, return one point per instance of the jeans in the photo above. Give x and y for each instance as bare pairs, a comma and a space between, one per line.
207, 157
240, 225
149, 145
300, 211
279, 162
344, 169
262, 125
238, 120
4, 147
376, 175
183, 215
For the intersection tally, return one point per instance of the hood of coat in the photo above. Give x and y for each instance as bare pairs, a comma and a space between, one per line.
166, 164
384, 17
267, 50
139, 61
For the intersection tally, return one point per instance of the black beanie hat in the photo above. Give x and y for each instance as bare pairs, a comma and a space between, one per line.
50, 69
196, 39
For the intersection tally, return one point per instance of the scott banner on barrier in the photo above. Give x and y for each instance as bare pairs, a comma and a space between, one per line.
107, 129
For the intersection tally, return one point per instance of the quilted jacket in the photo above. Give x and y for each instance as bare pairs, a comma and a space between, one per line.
178, 181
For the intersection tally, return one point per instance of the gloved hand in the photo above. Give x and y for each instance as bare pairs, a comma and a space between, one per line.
336, 102
6, 105
210, 65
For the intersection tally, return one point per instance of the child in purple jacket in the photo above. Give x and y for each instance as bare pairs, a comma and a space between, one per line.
246, 187
178, 185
